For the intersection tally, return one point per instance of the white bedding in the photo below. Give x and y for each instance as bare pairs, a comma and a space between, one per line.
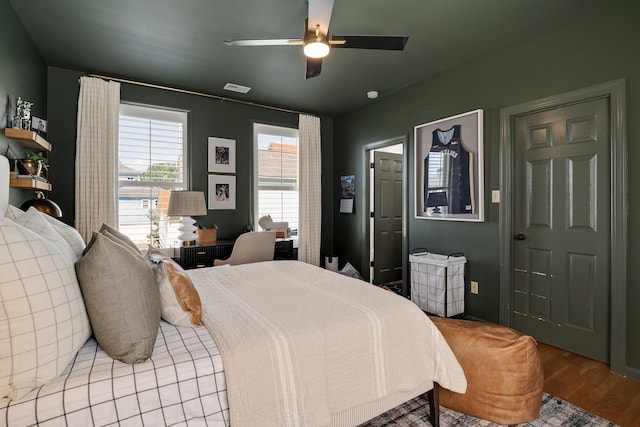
352, 351
304, 346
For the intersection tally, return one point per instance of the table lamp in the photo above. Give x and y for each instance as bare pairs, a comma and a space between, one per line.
187, 204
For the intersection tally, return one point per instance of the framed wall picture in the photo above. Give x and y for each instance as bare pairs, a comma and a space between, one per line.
347, 193
222, 192
222, 155
449, 168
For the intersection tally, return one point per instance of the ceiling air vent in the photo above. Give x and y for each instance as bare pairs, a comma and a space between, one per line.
236, 88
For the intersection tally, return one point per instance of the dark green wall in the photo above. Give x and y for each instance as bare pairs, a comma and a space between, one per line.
207, 117
22, 73
592, 47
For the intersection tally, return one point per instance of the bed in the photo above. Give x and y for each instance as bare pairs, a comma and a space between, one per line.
280, 343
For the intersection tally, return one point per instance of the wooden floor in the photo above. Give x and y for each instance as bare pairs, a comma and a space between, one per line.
590, 385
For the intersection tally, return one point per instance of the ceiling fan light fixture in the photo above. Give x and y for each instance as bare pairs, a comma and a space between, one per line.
316, 45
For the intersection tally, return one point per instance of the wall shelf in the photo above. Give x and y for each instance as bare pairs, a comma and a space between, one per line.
28, 138
30, 184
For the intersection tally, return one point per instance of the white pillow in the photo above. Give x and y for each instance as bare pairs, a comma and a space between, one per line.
43, 320
179, 299
13, 212
35, 221
68, 233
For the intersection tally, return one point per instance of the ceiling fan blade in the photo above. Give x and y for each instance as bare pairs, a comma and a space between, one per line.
371, 42
319, 14
314, 66
263, 42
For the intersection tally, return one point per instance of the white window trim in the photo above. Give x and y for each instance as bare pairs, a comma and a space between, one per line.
164, 114
274, 129
161, 114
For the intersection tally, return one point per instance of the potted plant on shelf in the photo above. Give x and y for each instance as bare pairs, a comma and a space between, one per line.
34, 164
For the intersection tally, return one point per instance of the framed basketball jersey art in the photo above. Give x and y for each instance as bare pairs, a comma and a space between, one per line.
449, 172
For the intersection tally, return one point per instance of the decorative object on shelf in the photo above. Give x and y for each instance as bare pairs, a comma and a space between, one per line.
44, 205
27, 167
222, 155
33, 165
207, 236
222, 192
187, 204
39, 125
449, 158
280, 228
9, 109
265, 222
22, 119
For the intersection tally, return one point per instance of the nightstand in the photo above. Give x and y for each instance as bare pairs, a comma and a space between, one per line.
284, 249
202, 256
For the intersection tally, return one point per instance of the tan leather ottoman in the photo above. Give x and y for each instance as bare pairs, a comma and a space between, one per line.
503, 369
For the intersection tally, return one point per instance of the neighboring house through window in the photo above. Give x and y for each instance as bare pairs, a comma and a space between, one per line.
276, 174
151, 162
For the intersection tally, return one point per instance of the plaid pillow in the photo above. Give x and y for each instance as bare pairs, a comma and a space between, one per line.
43, 320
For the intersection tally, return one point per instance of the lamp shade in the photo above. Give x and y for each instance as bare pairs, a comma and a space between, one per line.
186, 203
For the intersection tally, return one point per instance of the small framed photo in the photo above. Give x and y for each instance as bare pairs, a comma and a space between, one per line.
222, 192
39, 125
347, 193
222, 155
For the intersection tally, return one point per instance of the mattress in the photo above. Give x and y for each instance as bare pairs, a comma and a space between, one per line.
182, 384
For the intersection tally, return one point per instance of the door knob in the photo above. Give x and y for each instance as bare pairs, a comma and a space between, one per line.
520, 236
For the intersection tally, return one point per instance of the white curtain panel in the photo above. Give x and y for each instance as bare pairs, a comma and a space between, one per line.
96, 155
310, 207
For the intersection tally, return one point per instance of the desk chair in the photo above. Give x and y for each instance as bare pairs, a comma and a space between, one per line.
251, 247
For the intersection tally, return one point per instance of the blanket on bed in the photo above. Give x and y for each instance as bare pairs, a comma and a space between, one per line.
300, 344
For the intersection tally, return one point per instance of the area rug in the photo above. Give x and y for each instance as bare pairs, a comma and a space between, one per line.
554, 412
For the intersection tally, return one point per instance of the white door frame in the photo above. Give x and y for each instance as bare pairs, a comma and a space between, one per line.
615, 91
367, 184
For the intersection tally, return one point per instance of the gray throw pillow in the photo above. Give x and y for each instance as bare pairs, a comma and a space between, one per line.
122, 299
123, 237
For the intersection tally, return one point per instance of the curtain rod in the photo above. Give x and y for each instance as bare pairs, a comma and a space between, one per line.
191, 92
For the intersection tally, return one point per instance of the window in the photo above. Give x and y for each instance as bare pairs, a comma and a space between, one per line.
276, 174
151, 163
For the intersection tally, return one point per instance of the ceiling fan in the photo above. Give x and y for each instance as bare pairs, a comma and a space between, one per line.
316, 43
